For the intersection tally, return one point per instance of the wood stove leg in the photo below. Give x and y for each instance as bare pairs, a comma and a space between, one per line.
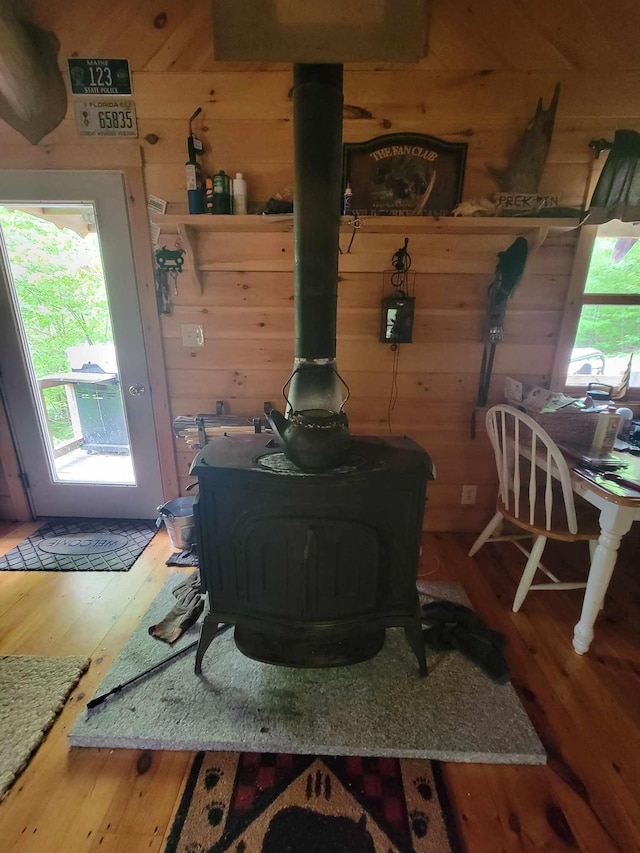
207, 634
413, 633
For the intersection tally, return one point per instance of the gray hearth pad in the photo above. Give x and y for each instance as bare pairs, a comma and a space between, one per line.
379, 707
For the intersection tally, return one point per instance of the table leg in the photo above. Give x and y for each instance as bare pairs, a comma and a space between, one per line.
615, 521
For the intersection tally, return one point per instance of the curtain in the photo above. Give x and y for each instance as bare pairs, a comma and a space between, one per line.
617, 193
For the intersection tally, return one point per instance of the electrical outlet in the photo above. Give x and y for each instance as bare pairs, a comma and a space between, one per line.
192, 336
468, 495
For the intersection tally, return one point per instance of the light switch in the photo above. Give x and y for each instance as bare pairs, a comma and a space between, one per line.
192, 336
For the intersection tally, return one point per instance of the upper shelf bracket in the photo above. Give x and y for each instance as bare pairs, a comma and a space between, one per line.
190, 246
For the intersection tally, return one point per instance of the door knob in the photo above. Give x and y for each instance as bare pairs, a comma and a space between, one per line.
136, 390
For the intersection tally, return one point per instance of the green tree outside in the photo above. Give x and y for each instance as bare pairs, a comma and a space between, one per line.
60, 285
613, 329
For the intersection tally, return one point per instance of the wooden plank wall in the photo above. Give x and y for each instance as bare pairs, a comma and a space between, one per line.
246, 307
246, 311
246, 121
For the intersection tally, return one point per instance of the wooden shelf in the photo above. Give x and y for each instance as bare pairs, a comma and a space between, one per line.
461, 224
188, 226
208, 222
374, 224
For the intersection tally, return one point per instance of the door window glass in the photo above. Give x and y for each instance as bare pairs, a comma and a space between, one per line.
55, 275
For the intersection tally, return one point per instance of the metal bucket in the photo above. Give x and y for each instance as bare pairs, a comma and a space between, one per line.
177, 515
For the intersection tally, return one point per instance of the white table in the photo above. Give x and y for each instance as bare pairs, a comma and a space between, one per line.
619, 508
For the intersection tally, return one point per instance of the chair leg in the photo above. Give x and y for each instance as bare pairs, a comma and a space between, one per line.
486, 533
529, 572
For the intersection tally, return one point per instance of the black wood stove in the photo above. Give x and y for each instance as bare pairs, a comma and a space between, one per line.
310, 568
312, 565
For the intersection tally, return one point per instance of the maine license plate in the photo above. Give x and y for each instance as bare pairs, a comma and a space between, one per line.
106, 118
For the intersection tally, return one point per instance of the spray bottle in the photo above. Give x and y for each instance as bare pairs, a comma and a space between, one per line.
195, 178
347, 201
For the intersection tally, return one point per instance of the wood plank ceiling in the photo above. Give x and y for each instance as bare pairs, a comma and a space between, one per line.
510, 35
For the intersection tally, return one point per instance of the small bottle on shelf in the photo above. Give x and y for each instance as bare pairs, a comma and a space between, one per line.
221, 192
195, 186
239, 194
193, 170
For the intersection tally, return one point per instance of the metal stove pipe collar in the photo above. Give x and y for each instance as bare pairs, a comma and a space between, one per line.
315, 384
311, 362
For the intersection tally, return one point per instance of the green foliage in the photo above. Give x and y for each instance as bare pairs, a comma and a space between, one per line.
60, 286
614, 329
55, 401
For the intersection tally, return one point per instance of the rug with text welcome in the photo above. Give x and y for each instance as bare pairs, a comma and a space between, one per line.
81, 545
258, 802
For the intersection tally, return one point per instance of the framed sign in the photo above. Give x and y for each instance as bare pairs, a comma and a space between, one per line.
99, 76
404, 174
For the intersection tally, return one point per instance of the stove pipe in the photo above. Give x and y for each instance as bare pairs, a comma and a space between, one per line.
317, 129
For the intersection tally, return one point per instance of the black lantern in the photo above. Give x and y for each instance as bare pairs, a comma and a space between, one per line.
397, 319
397, 311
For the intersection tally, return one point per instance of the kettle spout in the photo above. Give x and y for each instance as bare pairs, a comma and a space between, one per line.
278, 424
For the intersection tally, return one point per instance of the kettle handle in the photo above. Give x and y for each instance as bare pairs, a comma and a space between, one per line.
342, 404
288, 407
288, 382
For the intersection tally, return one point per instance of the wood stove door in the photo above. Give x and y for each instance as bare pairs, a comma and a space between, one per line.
312, 569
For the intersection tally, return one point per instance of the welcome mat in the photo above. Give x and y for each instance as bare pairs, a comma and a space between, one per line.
32, 692
81, 545
274, 803
378, 708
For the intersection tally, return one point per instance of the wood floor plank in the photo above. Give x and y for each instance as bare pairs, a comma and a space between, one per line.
585, 710
144, 805
527, 808
581, 682
475, 811
112, 843
577, 758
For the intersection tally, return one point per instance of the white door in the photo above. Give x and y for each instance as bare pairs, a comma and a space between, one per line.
72, 361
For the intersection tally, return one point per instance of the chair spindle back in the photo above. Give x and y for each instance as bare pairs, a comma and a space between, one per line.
516, 436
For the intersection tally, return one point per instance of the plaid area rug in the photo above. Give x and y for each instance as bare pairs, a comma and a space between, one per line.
259, 802
81, 545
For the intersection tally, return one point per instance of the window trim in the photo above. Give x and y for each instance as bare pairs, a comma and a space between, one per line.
576, 298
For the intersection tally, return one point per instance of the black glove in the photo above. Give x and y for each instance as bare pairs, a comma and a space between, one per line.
454, 626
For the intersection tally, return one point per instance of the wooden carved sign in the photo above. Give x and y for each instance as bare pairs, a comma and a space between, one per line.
404, 174
528, 158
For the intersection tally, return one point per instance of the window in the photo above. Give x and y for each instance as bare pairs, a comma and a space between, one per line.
606, 313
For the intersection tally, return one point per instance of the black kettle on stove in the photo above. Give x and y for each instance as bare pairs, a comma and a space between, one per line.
314, 439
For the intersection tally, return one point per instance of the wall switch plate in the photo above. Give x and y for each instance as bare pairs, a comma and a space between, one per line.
468, 495
192, 336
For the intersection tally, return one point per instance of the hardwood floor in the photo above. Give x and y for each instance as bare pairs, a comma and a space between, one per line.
585, 709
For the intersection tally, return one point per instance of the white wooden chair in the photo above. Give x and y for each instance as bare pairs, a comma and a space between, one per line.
528, 462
